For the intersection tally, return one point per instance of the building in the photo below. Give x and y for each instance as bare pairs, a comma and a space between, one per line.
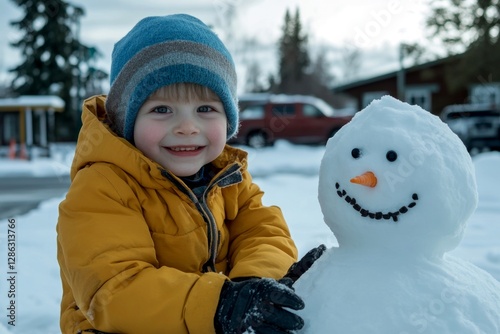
28, 122
424, 84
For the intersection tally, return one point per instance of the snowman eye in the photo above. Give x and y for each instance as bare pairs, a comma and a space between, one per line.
391, 156
356, 153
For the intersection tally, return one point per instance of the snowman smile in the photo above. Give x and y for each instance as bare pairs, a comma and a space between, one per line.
375, 215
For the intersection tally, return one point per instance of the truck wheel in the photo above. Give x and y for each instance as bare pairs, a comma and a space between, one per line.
257, 140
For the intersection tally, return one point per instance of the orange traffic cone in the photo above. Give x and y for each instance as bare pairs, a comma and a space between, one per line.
24, 153
12, 148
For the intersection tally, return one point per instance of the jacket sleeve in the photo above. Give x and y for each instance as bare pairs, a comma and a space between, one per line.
108, 260
260, 241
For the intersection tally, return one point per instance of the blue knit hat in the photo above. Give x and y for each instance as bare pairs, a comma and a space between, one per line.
164, 50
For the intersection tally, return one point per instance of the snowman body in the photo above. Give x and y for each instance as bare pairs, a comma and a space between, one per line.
396, 188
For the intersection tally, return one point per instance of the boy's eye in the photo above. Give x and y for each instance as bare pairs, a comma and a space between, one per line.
161, 109
206, 109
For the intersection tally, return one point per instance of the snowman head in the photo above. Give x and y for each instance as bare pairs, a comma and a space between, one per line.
397, 179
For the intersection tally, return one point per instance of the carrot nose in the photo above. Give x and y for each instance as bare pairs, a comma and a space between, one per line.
366, 179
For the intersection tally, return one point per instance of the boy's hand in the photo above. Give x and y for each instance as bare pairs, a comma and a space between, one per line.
298, 268
258, 303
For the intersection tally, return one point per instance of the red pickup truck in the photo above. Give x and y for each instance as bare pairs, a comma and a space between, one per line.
300, 119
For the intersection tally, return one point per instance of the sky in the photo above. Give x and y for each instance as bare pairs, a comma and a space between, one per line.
376, 27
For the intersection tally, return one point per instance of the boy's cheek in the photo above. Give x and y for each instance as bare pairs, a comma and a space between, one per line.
145, 135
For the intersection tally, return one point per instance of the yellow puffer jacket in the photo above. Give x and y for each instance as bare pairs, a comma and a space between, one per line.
140, 254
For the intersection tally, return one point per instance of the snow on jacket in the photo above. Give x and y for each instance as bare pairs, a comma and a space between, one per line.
140, 254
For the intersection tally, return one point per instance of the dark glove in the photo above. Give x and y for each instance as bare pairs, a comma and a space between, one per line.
258, 303
298, 268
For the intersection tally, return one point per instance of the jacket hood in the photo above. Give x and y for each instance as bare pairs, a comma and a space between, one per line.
98, 143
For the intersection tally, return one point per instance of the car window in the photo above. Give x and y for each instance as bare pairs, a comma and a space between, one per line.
252, 112
311, 111
283, 110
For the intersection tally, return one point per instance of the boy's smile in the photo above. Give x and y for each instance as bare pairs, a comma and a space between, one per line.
184, 149
182, 136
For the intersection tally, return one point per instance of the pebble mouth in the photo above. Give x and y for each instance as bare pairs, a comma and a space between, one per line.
375, 215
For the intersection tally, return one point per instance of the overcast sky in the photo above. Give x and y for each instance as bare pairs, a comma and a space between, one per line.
374, 26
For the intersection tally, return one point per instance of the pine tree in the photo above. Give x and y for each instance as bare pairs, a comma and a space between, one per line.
472, 28
293, 54
54, 61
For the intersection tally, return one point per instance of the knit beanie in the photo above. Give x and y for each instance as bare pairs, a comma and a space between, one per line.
165, 50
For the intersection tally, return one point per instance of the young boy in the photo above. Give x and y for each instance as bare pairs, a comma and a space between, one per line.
162, 229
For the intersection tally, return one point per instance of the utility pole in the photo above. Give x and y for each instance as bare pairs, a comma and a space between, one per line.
401, 84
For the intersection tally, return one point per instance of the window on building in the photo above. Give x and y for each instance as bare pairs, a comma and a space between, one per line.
420, 97
485, 93
368, 97
9, 123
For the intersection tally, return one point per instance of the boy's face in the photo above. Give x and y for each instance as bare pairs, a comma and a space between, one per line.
182, 136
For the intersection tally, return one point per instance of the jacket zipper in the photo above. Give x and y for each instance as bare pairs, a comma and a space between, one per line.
202, 207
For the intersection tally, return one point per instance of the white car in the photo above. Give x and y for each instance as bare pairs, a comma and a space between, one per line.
478, 125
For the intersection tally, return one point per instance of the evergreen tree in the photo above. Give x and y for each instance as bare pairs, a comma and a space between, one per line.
293, 55
469, 27
53, 59
298, 74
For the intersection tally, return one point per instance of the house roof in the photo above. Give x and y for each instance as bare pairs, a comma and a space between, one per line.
393, 74
33, 102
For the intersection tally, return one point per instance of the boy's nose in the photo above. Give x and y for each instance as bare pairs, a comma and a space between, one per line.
187, 126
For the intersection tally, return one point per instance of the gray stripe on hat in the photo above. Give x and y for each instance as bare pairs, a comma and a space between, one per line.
162, 55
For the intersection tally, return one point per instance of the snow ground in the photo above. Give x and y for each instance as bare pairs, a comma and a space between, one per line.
288, 174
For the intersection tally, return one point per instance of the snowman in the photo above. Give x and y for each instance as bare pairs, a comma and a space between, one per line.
396, 188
